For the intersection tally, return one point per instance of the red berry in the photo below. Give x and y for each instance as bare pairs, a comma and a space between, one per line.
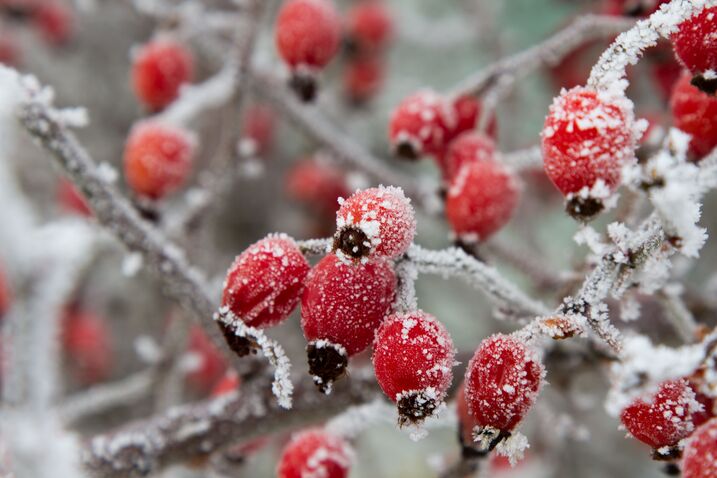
586, 139
695, 44
369, 26
54, 20
341, 308
315, 453
375, 222
10, 53
210, 363
71, 200
467, 111
413, 356
258, 124
481, 200
318, 183
86, 342
229, 383
502, 382
157, 159
664, 419
695, 113
159, 70
699, 459
469, 147
5, 296
363, 78
422, 123
265, 282
466, 422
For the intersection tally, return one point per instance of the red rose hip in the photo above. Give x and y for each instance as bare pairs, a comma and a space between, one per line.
368, 27
159, 69
421, 124
341, 308
86, 343
157, 159
468, 147
375, 222
210, 365
502, 382
412, 358
695, 44
318, 183
695, 113
315, 453
699, 459
362, 79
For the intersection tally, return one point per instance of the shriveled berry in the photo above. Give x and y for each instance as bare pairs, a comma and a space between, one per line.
157, 159
159, 69
413, 355
468, 147
502, 382
362, 79
422, 123
54, 20
376, 222
699, 459
209, 363
665, 418
86, 343
318, 183
695, 113
258, 125
481, 200
315, 453
307, 35
695, 44
264, 284
368, 27
341, 308
71, 200
586, 140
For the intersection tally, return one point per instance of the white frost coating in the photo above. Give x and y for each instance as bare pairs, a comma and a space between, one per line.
282, 386
407, 273
513, 447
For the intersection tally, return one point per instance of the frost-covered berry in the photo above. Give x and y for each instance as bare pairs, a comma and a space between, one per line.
663, 419
695, 113
341, 308
71, 200
159, 69
586, 139
5, 297
699, 459
375, 222
695, 44
481, 199
502, 382
208, 365
318, 183
264, 284
86, 343
468, 147
362, 79
368, 27
258, 124
307, 35
467, 109
315, 453
422, 123
157, 159
413, 356
54, 21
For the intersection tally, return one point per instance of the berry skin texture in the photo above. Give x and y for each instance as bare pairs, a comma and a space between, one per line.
586, 139
368, 27
157, 159
307, 33
375, 222
315, 453
422, 123
665, 418
695, 44
481, 200
695, 113
699, 459
159, 70
318, 183
265, 282
468, 147
86, 342
502, 382
413, 355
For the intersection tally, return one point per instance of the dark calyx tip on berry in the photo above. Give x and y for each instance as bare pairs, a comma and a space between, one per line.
304, 85
703, 84
406, 150
352, 241
584, 208
242, 346
414, 407
671, 453
327, 363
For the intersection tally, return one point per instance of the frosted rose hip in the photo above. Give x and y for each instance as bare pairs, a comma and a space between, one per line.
413, 357
421, 124
341, 308
502, 382
586, 139
315, 453
699, 459
362, 79
695, 113
375, 222
157, 159
467, 111
695, 44
481, 200
159, 69
86, 342
368, 26
209, 362
468, 147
